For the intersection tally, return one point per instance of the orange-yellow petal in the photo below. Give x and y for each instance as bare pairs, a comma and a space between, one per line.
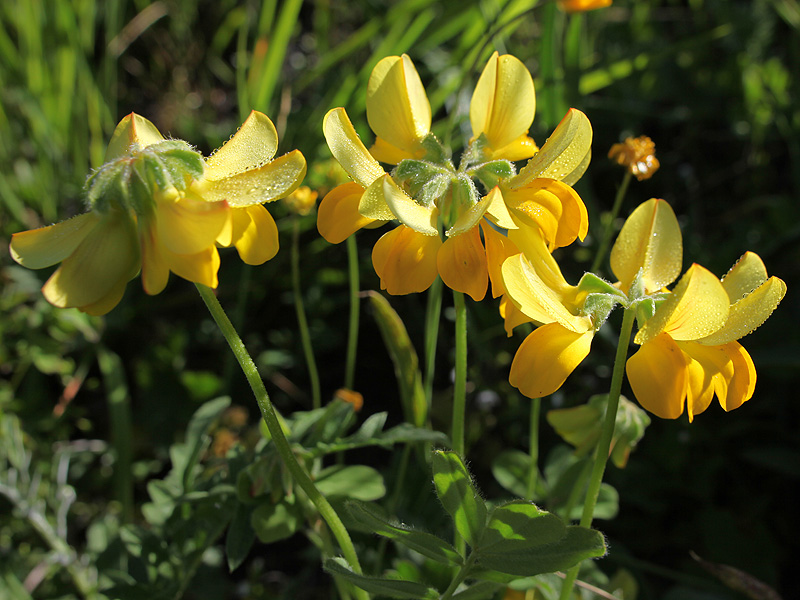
405, 260
201, 267
546, 358
710, 369
512, 316
46, 246
572, 6
337, 216
498, 249
385, 152
657, 374
255, 234
462, 264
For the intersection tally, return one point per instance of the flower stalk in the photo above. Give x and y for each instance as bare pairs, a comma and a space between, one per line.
355, 305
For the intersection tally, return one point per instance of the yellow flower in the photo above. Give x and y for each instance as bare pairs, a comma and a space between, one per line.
638, 155
689, 351
302, 200
156, 205
582, 5
428, 195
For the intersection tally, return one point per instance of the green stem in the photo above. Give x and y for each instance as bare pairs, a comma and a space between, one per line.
355, 304
460, 387
299, 474
609, 228
533, 447
302, 323
460, 576
606, 435
432, 315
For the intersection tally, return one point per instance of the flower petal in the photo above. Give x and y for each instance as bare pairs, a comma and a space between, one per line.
155, 270
743, 383
187, 226
650, 240
251, 147
746, 275
114, 295
521, 148
512, 316
469, 218
420, 218
504, 101
709, 370
546, 358
383, 151
132, 129
270, 182
337, 216
552, 206
564, 156
374, 202
46, 246
498, 211
657, 374
405, 260
348, 149
398, 110
256, 236
498, 249
462, 264
201, 267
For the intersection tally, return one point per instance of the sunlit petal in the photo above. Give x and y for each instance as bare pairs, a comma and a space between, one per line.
532, 245
504, 101
746, 275
348, 149
462, 264
657, 374
187, 226
257, 241
743, 383
397, 107
469, 218
374, 202
497, 210
132, 129
405, 260
552, 206
512, 316
521, 148
337, 216
498, 249
649, 240
46, 246
383, 151
251, 147
710, 369
422, 219
546, 358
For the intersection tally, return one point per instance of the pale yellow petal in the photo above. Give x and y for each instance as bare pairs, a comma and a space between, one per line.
497, 210
565, 154
420, 218
532, 244
187, 226
257, 242
132, 129
546, 358
504, 101
746, 275
337, 216
348, 149
512, 316
521, 148
462, 264
251, 147
267, 183
112, 298
657, 374
46, 246
469, 218
374, 202
398, 110
405, 260
649, 240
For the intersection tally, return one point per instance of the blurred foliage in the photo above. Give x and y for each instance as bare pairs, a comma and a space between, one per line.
712, 82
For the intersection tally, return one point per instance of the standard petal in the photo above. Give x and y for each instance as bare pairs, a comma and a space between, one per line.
696, 308
348, 149
564, 156
398, 110
257, 241
46, 246
187, 226
405, 260
546, 358
649, 240
746, 275
462, 264
270, 182
132, 129
337, 216
374, 202
657, 374
504, 101
383, 151
251, 147
420, 218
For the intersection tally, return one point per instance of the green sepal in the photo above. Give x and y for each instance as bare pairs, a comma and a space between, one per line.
519, 525
391, 588
598, 307
491, 173
435, 151
645, 309
464, 195
413, 174
592, 284
425, 543
458, 495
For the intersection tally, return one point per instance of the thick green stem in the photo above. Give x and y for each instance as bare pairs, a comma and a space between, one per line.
278, 438
609, 228
302, 323
355, 304
460, 384
432, 315
533, 447
606, 435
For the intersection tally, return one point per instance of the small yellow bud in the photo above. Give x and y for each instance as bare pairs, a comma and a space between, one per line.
354, 398
638, 155
302, 200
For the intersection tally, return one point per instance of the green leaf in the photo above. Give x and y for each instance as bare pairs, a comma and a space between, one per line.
240, 536
520, 525
578, 544
196, 440
426, 544
273, 522
458, 496
358, 481
483, 590
511, 469
392, 588
404, 358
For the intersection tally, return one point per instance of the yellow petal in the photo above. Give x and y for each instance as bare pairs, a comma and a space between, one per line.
201, 267
420, 218
657, 374
743, 383
565, 154
338, 217
187, 226
552, 206
155, 270
746, 275
504, 101
251, 147
46, 246
105, 257
133, 129
650, 240
521, 148
546, 358
405, 260
696, 308
497, 210
257, 241
512, 316
469, 218
572, 6
710, 369
498, 249
374, 202
114, 295
532, 244
397, 107
270, 182
462, 264
383, 151
348, 149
